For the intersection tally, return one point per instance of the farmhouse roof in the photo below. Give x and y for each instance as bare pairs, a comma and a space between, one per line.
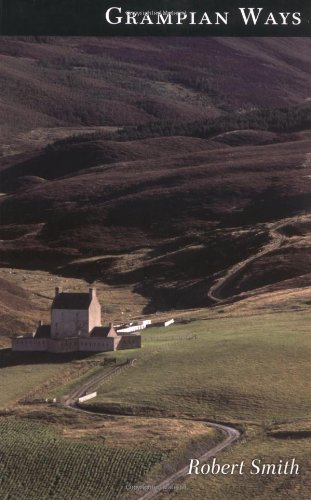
43, 332
72, 301
103, 331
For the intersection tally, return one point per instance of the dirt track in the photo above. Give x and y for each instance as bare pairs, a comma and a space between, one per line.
90, 385
232, 435
277, 240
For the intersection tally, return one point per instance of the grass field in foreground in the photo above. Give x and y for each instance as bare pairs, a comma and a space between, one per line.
56, 453
253, 368
267, 487
37, 463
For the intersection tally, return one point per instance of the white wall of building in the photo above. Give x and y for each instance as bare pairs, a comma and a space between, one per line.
63, 345
69, 323
94, 313
96, 344
28, 344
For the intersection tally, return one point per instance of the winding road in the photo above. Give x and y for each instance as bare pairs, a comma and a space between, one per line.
277, 240
231, 434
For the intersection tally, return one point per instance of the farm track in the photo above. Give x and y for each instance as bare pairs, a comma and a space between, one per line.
93, 383
232, 436
277, 240
231, 433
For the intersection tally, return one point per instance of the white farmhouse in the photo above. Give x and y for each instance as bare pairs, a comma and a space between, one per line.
75, 326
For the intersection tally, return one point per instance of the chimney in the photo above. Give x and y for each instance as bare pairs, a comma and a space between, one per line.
92, 292
57, 290
40, 323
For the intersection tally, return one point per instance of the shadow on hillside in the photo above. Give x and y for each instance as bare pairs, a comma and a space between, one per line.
9, 358
304, 434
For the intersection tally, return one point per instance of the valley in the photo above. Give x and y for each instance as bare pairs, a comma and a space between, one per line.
174, 175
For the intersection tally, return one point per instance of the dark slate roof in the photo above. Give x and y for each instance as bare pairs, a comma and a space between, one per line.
72, 301
103, 331
43, 332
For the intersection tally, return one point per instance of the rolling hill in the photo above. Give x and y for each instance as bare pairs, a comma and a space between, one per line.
156, 163
52, 82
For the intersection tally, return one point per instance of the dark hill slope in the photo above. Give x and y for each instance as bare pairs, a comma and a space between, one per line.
69, 157
190, 215
79, 81
211, 184
181, 163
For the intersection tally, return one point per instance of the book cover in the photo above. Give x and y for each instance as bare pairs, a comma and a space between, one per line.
155, 235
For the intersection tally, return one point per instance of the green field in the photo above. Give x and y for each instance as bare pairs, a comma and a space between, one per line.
53, 452
248, 370
252, 371
39, 380
251, 368
257, 487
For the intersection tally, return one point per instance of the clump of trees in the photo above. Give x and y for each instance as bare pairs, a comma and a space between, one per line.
289, 119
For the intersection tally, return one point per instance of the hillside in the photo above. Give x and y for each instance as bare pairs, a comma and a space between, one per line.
182, 155
174, 175
113, 82
18, 310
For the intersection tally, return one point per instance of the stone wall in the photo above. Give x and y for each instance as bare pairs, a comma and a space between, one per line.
63, 345
29, 344
97, 344
129, 342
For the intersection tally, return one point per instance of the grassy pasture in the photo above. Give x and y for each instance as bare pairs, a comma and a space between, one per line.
252, 368
258, 487
40, 379
56, 453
